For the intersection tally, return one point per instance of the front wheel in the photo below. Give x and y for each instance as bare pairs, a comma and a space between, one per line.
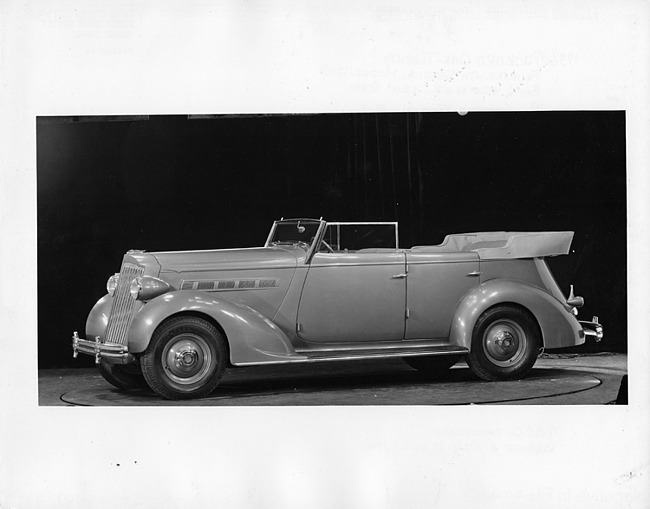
505, 343
185, 359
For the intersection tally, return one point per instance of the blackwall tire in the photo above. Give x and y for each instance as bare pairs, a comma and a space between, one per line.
505, 344
185, 359
126, 377
434, 365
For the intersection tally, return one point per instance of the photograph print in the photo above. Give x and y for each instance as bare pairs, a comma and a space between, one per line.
429, 258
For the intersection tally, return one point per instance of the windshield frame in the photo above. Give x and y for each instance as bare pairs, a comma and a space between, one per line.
319, 233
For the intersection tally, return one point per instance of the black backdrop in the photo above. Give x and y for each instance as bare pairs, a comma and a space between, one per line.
107, 185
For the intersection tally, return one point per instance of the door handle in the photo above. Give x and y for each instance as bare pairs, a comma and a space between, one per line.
475, 273
399, 276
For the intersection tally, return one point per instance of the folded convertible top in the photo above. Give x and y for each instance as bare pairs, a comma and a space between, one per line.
500, 245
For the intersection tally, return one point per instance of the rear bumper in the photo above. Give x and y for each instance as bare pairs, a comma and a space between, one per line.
112, 352
592, 329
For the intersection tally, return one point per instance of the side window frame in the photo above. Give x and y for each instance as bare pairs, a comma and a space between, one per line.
338, 225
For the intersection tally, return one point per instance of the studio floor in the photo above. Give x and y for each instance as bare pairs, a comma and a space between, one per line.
557, 379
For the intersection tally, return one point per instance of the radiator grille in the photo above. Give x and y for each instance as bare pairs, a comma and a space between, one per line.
123, 305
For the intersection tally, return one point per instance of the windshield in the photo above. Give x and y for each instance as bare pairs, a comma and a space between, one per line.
300, 232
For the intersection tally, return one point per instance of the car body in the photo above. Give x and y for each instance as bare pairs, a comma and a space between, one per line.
325, 291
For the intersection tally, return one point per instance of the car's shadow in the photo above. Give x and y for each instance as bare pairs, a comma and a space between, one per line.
257, 383
457, 376
394, 383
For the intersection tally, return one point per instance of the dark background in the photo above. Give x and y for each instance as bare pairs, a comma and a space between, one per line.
110, 184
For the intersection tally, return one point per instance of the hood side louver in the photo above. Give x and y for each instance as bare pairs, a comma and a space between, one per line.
205, 285
229, 284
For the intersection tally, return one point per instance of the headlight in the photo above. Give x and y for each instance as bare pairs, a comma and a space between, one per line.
147, 287
111, 284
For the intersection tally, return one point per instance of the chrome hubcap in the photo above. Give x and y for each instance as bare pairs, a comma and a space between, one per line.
504, 342
187, 359
504, 339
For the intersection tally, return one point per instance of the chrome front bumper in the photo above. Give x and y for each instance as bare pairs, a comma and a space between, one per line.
592, 329
112, 352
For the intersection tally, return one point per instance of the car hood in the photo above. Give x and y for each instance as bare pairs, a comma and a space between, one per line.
226, 259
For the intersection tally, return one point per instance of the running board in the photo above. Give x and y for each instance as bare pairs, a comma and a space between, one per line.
383, 353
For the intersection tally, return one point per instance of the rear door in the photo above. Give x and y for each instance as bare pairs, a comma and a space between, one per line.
435, 286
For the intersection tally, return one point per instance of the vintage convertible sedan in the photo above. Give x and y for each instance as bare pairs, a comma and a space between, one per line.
330, 291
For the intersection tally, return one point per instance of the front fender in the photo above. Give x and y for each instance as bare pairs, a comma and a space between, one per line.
98, 318
252, 337
559, 328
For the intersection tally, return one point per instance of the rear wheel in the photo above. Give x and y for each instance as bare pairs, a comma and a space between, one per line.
123, 376
434, 365
185, 359
505, 343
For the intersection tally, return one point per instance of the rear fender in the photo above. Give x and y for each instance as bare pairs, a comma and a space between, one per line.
252, 337
558, 326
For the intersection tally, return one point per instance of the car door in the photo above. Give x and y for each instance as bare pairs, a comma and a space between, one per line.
354, 297
437, 281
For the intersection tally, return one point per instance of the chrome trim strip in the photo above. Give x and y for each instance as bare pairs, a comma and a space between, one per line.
411, 344
183, 251
438, 262
374, 355
236, 269
360, 264
385, 355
